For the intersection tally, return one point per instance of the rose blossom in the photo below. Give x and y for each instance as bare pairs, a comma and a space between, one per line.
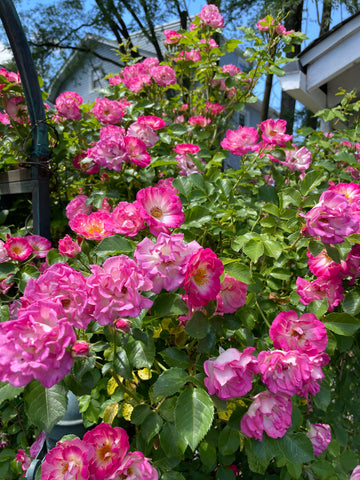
211, 17
230, 374
298, 159
186, 165
114, 289
268, 413
68, 248
85, 163
232, 295
305, 333
136, 466
91, 227
22, 457
76, 206
144, 132
274, 132
165, 262
324, 266
17, 109
172, 37
355, 474
291, 372
320, 436
18, 248
67, 104
182, 148
329, 288
156, 123
109, 111
110, 445
162, 208
126, 219
80, 349
40, 245
35, 345
68, 460
230, 69
199, 121
136, 151
241, 141
202, 278
163, 75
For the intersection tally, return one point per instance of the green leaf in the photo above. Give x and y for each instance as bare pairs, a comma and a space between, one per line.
122, 364
333, 253
272, 248
312, 180
259, 453
267, 193
194, 414
167, 304
315, 248
114, 245
351, 302
342, 323
141, 354
239, 271
8, 392
171, 442
139, 414
4, 313
198, 326
229, 441
175, 357
348, 460
172, 476
197, 215
224, 473
296, 448
318, 307
170, 382
254, 249
45, 406
151, 426
290, 196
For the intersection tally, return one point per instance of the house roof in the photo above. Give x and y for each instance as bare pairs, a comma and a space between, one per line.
330, 62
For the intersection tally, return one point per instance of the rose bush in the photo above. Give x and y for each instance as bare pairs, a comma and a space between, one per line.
205, 317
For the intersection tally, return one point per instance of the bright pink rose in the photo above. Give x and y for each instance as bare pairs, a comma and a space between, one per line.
232, 295
65, 286
324, 266
110, 151
186, 148
281, 30
214, 108
241, 141
67, 104
230, 69
305, 333
156, 123
76, 206
268, 413
136, 466
108, 111
122, 325
68, 248
22, 457
263, 25
331, 219
162, 209
126, 219
199, 121
291, 372
110, 445
210, 17
355, 474
114, 289
163, 75
18, 248
320, 436
91, 226
136, 151
85, 163
165, 262
144, 132
40, 245
35, 345
172, 37
80, 349
4, 118
329, 288
298, 159
230, 374
274, 132
202, 278
68, 460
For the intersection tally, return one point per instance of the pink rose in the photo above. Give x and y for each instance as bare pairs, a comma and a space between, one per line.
241, 141
232, 295
320, 436
211, 17
68, 248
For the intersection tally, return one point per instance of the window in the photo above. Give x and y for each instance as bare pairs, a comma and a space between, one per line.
97, 75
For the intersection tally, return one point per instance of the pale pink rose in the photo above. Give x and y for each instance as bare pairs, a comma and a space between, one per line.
22, 457
241, 141
110, 151
126, 219
329, 288
85, 163
162, 208
324, 266
136, 466
352, 263
355, 474
163, 75
68, 248
211, 17
320, 436
305, 333
40, 245
112, 131
331, 219
186, 165
209, 42
17, 109
202, 278
156, 123
65, 286
214, 108
165, 262
274, 132
110, 445
108, 111
291, 372
268, 413
230, 69
91, 227
199, 121
35, 345
193, 55
232, 295
114, 289
144, 132
4, 257
186, 148
68, 460
172, 37
230, 374
76, 206
298, 159
68, 105
18, 248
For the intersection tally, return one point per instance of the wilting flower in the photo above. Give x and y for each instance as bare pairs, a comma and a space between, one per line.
305, 333
136, 466
268, 413
230, 374
320, 436
298, 159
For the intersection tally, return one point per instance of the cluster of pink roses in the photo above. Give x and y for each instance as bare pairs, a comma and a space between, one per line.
103, 453
295, 368
186, 165
267, 24
20, 248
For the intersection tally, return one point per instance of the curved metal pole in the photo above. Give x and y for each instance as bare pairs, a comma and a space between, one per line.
40, 148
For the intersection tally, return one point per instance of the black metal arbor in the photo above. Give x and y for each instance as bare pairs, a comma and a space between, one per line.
38, 181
